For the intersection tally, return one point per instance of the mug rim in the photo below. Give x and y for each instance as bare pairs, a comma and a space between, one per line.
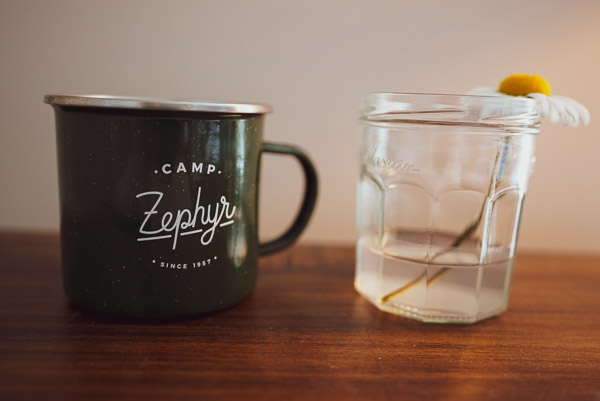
152, 103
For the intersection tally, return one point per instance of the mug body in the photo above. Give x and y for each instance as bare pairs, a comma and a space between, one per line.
158, 205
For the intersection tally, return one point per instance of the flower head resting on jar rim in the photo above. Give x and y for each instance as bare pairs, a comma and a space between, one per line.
558, 108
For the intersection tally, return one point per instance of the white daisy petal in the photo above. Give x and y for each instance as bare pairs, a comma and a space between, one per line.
568, 116
546, 109
572, 112
581, 111
565, 118
484, 91
554, 110
542, 104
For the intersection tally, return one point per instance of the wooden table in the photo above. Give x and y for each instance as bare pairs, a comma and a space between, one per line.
304, 334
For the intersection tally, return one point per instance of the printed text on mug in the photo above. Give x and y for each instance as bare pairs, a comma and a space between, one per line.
203, 220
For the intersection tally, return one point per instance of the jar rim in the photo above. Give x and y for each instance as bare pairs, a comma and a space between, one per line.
509, 114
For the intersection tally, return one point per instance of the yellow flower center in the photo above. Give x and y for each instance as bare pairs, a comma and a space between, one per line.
521, 85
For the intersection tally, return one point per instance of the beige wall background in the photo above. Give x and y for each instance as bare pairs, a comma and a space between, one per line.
312, 60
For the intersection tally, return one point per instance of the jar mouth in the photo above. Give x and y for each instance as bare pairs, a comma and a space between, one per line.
508, 114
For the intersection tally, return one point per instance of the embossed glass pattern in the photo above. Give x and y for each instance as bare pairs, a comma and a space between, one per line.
441, 189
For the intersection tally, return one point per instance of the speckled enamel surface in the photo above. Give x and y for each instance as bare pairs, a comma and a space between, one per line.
158, 209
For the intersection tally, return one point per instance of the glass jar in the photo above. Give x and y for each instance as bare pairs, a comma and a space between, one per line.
440, 195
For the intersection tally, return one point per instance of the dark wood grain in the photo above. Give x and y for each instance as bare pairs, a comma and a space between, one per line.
303, 334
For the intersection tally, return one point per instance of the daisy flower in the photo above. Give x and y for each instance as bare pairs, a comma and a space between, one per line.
558, 108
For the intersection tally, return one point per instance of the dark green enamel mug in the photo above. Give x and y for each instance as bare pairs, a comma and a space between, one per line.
158, 203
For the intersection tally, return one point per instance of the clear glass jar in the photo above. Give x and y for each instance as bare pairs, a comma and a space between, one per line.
441, 189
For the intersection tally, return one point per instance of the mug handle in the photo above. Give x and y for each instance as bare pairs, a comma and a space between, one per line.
311, 184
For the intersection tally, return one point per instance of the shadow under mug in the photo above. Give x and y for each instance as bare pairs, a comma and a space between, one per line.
158, 203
